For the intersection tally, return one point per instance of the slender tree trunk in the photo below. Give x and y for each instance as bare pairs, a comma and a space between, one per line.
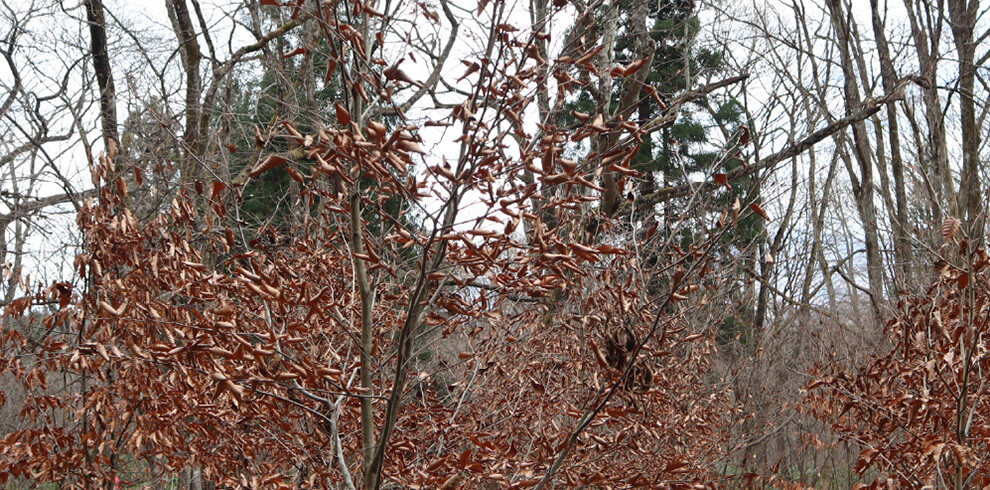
926, 41
367, 294
111, 140
101, 65
194, 135
773, 248
863, 189
366, 286
628, 99
902, 243
817, 255
963, 15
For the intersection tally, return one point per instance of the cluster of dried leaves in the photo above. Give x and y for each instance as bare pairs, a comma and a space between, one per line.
920, 409
195, 344
192, 347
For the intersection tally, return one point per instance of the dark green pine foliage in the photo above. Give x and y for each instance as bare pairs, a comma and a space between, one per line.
692, 147
686, 148
702, 142
262, 102
704, 139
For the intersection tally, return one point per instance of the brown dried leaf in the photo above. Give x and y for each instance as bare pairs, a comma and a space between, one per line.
267, 164
759, 211
950, 226
723, 180
343, 115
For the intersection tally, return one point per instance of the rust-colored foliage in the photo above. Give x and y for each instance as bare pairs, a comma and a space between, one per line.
523, 340
192, 347
920, 409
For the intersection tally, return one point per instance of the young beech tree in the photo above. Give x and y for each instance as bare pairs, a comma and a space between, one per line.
920, 409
